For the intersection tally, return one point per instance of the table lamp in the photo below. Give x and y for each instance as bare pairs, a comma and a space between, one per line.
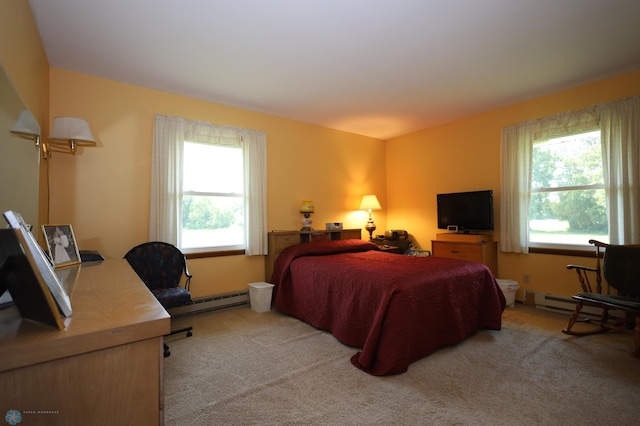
306, 209
369, 203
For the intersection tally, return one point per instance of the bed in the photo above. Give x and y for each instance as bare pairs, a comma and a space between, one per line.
396, 309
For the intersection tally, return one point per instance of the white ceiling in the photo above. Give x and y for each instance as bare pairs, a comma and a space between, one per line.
381, 68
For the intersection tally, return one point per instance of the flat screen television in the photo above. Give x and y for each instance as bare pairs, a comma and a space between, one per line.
468, 211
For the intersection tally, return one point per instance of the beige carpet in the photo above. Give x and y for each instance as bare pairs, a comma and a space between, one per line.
245, 368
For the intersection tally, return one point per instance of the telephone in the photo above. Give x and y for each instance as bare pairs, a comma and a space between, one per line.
395, 238
396, 234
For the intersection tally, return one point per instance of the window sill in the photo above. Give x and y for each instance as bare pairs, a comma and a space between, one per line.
563, 251
219, 253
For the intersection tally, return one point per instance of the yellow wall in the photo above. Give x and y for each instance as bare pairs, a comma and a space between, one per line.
465, 156
23, 57
104, 191
25, 62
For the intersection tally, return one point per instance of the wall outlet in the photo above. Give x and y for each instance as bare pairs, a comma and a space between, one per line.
526, 279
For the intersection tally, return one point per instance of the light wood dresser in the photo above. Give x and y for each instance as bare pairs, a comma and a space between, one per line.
280, 240
475, 247
104, 368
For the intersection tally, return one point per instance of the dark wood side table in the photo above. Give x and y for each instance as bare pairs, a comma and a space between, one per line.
390, 249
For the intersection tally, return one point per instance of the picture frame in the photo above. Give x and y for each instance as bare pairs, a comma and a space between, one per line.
61, 245
30, 276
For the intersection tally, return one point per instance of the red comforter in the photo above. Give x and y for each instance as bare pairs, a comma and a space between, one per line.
396, 308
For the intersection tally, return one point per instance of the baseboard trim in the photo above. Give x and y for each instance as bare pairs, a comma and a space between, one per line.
212, 303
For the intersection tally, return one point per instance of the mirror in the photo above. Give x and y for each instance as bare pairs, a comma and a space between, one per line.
19, 159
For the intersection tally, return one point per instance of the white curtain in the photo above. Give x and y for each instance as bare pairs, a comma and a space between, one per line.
166, 176
566, 123
166, 179
620, 127
516, 156
255, 187
619, 123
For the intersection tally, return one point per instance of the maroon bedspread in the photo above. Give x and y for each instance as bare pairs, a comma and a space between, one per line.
396, 308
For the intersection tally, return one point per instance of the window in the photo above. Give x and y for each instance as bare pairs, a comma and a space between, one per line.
565, 200
208, 186
568, 204
212, 197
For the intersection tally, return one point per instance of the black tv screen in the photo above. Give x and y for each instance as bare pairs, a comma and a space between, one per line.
469, 211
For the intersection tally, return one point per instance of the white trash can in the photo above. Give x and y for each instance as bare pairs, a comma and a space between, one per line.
509, 288
260, 296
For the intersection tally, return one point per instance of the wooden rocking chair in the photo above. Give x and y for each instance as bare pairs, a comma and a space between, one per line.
621, 270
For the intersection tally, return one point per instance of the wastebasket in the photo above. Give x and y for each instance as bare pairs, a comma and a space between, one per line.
509, 288
260, 296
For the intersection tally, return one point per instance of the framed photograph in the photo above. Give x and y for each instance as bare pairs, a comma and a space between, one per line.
30, 276
61, 245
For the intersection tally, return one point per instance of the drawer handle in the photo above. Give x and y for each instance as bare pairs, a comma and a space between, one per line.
455, 251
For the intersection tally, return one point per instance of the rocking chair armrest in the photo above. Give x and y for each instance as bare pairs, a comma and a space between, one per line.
598, 243
583, 268
583, 278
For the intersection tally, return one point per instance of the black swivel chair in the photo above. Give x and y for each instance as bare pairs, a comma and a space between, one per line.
160, 266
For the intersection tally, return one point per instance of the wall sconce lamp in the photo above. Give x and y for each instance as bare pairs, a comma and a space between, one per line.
369, 203
67, 134
27, 127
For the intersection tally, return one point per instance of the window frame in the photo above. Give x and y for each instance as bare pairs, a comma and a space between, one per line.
619, 123
547, 246
169, 134
241, 195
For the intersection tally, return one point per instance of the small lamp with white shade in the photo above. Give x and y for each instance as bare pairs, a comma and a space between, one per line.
27, 127
67, 134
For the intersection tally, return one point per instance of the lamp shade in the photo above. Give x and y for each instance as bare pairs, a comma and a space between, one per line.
370, 202
26, 125
67, 129
307, 207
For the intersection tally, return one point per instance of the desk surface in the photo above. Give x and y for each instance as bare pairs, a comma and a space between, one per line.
111, 307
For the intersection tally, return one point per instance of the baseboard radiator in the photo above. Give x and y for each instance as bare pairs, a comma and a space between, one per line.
564, 304
212, 303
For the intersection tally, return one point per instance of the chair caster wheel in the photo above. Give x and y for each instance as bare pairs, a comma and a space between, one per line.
189, 334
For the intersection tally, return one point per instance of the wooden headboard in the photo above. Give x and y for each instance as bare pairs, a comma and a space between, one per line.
280, 240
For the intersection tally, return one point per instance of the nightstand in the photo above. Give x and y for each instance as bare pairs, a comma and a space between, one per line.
391, 249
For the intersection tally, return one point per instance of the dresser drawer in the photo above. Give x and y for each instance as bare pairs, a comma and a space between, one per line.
483, 252
458, 251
